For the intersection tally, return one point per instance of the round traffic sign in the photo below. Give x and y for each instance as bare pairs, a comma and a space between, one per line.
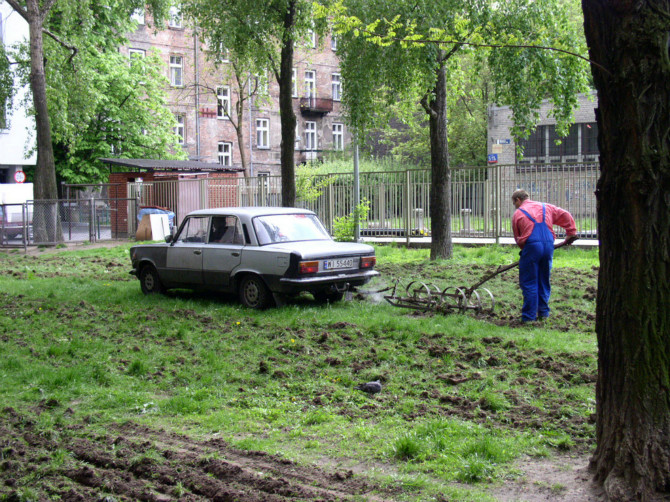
19, 176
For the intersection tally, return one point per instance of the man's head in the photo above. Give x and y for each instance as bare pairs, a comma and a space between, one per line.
518, 197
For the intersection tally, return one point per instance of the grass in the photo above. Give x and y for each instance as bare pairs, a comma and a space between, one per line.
84, 346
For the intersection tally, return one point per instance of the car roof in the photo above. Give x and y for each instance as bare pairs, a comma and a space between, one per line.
250, 212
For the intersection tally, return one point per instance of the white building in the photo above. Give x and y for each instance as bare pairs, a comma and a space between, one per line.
17, 127
581, 144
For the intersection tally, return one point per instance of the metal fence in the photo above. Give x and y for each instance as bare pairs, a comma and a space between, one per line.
399, 202
51, 222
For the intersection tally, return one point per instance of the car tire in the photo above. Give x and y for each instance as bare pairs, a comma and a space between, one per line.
328, 296
254, 293
150, 282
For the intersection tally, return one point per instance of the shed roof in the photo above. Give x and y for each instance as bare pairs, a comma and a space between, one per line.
170, 165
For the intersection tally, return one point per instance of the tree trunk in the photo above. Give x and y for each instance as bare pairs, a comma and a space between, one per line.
440, 190
630, 40
45, 214
287, 115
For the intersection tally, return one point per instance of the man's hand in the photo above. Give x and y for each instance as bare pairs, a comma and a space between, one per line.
569, 240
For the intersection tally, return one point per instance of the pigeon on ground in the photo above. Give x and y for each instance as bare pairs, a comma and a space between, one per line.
370, 387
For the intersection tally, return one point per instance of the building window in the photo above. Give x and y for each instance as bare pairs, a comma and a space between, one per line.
225, 153
223, 102
310, 84
337, 87
136, 53
175, 18
176, 71
333, 42
138, 16
310, 136
590, 139
294, 84
534, 146
338, 137
567, 146
262, 133
180, 129
311, 39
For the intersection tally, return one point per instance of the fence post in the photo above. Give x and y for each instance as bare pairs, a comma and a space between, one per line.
91, 220
407, 207
497, 205
24, 218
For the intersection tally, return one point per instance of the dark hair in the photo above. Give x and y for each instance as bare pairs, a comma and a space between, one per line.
520, 194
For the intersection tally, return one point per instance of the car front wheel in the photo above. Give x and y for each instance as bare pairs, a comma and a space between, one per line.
149, 280
254, 293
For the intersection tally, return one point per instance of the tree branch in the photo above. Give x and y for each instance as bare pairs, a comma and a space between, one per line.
19, 10
458, 43
426, 106
69, 47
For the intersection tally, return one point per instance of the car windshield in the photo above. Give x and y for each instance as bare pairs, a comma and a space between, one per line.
289, 228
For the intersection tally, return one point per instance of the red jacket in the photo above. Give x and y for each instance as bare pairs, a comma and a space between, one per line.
555, 215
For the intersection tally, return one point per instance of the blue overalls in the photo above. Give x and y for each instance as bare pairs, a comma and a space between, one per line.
535, 269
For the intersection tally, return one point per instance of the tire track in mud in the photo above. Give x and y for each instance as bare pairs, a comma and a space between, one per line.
134, 462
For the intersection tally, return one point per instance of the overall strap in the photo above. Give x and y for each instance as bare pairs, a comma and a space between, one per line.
544, 213
529, 216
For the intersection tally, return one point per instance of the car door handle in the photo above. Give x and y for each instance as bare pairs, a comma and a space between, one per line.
197, 251
235, 254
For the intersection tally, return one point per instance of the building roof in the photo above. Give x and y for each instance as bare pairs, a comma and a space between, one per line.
170, 165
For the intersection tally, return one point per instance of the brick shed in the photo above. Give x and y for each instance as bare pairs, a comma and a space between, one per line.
181, 186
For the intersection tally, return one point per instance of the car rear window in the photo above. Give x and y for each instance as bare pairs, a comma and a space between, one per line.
289, 228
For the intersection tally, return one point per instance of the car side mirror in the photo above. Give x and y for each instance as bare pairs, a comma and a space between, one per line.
170, 238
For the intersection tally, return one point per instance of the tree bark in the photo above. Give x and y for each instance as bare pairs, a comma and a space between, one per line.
630, 40
287, 115
440, 190
45, 214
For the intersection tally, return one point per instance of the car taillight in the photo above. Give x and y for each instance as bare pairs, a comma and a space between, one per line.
368, 261
309, 267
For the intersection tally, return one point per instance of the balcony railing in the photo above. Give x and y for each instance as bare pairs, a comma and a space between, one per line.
315, 106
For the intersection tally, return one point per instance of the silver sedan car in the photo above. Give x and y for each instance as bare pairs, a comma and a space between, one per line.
261, 253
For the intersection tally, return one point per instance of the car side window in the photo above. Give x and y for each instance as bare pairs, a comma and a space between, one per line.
194, 230
226, 230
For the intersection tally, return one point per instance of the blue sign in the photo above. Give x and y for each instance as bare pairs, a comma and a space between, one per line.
503, 141
493, 158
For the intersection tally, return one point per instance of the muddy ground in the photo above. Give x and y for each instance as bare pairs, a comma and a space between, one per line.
132, 462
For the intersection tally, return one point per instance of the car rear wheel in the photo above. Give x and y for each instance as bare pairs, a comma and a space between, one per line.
254, 293
328, 296
149, 280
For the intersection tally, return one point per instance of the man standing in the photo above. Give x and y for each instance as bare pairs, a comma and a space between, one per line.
532, 224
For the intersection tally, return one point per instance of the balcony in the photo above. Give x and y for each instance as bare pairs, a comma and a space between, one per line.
315, 106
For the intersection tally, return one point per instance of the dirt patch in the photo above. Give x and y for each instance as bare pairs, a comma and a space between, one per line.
134, 462
560, 478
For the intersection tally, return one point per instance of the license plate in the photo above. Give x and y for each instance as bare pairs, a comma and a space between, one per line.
338, 263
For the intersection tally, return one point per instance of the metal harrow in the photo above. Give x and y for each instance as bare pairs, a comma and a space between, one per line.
424, 297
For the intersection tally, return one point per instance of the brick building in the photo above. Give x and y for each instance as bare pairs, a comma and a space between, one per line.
200, 95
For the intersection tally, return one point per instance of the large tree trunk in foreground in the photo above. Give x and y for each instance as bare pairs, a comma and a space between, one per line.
287, 115
440, 188
630, 40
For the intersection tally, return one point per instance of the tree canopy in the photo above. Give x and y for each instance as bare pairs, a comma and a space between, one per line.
264, 32
412, 51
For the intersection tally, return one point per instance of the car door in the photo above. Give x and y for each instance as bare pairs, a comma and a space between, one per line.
184, 256
223, 251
